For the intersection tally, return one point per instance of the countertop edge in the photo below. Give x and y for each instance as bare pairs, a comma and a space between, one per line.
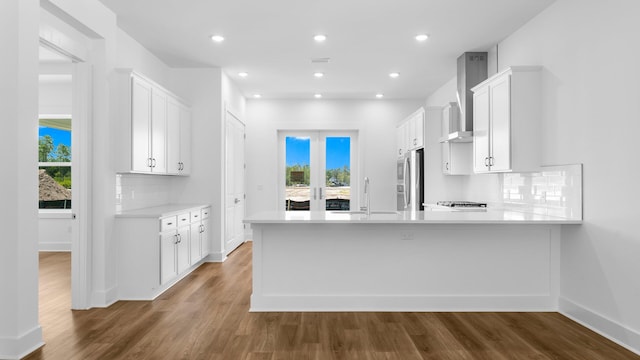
159, 211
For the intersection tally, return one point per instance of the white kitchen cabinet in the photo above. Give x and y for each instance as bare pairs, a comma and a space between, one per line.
178, 138
154, 125
456, 156
157, 247
410, 133
401, 140
506, 121
200, 234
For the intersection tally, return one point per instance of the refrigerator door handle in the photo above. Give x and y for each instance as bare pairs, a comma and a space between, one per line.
407, 182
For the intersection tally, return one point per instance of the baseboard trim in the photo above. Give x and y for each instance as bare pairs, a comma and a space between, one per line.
412, 303
18, 347
103, 299
54, 247
611, 329
217, 257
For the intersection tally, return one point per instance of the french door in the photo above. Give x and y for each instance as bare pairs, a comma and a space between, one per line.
317, 168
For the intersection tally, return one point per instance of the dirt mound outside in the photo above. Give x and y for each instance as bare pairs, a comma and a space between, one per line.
50, 189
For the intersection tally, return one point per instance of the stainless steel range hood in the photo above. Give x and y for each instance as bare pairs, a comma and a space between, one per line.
472, 70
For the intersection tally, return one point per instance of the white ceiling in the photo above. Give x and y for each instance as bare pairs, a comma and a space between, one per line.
272, 40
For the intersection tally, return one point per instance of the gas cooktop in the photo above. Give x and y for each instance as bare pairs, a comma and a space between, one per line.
466, 204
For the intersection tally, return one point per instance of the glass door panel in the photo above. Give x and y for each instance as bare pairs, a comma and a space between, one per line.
298, 173
337, 170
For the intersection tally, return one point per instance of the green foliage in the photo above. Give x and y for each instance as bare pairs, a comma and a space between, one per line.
46, 151
45, 146
61, 174
338, 177
63, 153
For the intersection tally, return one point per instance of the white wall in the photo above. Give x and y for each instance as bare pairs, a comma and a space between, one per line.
374, 119
202, 89
20, 331
590, 106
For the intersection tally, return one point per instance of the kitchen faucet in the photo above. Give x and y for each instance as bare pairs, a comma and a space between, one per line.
367, 197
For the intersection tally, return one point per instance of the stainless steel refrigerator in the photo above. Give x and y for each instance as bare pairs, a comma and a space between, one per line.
410, 187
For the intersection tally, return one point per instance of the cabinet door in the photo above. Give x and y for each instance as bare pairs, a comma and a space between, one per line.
185, 141
168, 268
401, 140
481, 130
418, 126
195, 243
446, 158
159, 131
140, 125
204, 239
173, 137
182, 249
500, 139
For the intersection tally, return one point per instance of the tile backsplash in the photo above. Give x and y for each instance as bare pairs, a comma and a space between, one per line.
554, 191
135, 191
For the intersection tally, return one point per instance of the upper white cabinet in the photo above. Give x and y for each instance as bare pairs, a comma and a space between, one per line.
155, 126
410, 133
456, 156
178, 138
506, 121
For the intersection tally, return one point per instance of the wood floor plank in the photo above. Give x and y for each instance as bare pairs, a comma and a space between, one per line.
206, 316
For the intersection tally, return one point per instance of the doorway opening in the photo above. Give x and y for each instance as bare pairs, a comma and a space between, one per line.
317, 170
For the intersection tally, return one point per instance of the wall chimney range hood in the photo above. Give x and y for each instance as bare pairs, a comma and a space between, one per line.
472, 70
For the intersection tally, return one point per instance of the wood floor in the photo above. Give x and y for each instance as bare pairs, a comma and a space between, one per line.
205, 316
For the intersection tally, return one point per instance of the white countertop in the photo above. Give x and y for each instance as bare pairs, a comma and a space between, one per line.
439, 216
159, 211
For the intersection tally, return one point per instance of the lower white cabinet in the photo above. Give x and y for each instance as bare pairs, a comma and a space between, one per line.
159, 246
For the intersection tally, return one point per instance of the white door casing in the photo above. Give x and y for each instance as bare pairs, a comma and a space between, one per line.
234, 234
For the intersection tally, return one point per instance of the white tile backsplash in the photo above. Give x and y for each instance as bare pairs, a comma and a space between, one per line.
136, 191
554, 191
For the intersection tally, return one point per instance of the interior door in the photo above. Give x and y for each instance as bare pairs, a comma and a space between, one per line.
234, 182
317, 171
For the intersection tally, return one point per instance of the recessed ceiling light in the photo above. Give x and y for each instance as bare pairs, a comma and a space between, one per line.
217, 38
320, 38
422, 37
394, 74
318, 74
243, 74
257, 96
379, 96
317, 96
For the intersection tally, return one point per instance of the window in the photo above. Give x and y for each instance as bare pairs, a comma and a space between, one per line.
54, 162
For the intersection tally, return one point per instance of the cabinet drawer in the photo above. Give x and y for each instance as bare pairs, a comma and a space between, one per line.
205, 212
195, 216
184, 219
168, 223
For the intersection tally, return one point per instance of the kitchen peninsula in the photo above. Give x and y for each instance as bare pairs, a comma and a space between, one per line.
493, 260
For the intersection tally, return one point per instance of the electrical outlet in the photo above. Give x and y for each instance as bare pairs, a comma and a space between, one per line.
406, 236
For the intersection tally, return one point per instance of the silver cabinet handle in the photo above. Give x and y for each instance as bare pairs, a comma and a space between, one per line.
175, 237
314, 193
320, 193
153, 162
415, 141
201, 228
236, 200
486, 161
447, 166
149, 162
399, 151
491, 161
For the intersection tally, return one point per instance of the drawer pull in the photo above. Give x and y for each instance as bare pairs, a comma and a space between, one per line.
169, 223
